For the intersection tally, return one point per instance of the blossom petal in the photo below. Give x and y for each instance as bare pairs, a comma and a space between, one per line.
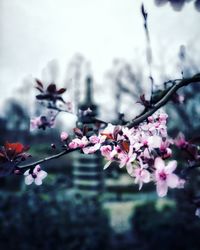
154, 141
171, 167
27, 172
29, 179
130, 169
36, 169
145, 176
140, 185
159, 163
161, 188
132, 157
38, 181
172, 180
107, 165
41, 174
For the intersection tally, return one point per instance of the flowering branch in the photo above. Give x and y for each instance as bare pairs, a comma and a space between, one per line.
134, 122
164, 99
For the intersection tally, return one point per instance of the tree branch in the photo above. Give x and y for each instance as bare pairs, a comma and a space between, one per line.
134, 122
31, 165
163, 100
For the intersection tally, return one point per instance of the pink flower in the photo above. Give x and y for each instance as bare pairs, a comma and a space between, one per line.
151, 141
91, 150
150, 119
97, 140
165, 150
140, 173
63, 136
141, 176
180, 141
94, 139
109, 154
36, 176
164, 176
163, 118
106, 151
126, 158
78, 143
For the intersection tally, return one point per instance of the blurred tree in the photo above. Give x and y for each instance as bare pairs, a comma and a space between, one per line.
17, 120
178, 4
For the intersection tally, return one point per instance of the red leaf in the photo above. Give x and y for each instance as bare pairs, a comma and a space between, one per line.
61, 91
125, 146
16, 147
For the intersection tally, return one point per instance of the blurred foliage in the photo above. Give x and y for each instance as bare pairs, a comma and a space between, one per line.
41, 219
167, 227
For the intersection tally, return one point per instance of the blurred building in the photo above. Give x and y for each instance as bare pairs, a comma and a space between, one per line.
88, 169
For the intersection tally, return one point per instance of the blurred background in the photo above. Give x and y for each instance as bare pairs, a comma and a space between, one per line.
99, 47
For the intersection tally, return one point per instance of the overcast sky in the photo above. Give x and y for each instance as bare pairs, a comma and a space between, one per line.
34, 32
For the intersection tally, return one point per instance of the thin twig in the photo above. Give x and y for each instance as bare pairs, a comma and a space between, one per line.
31, 165
163, 100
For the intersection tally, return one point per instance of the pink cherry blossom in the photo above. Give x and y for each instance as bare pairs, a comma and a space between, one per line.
78, 143
126, 158
106, 151
141, 176
91, 150
97, 141
164, 176
180, 141
140, 173
109, 154
150, 119
163, 118
165, 150
64, 136
36, 176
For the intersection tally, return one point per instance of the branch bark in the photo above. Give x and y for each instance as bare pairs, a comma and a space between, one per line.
164, 100
31, 165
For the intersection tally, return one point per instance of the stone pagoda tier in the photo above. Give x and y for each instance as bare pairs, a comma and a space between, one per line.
88, 169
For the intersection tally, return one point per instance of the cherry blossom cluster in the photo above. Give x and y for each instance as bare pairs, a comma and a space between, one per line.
141, 150
142, 146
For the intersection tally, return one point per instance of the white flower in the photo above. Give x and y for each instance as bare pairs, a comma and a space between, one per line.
36, 176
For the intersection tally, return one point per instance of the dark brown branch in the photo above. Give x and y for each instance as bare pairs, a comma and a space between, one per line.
31, 165
164, 100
